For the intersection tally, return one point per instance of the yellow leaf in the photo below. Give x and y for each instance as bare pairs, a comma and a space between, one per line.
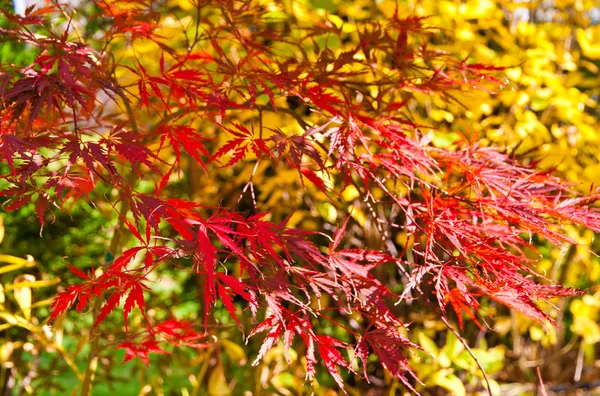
217, 386
478, 9
514, 73
234, 351
589, 39
15, 263
336, 20
536, 333
350, 193
15, 320
358, 215
387, 7
580, 309
6, 351
142, 46
299, 11
586, 328
295, 218
33, 284
185, 5
23, 294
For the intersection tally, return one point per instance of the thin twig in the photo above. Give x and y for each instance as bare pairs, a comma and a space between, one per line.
462, 340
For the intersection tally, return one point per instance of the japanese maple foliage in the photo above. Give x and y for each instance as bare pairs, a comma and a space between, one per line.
91, 112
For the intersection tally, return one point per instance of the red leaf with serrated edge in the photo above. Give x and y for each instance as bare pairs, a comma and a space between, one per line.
389, 345
221, 233
316, 180
108, 307
331, 357
133, 230
173, 327
237, 287
520, 302
77, 272
181, 332
338, 235
125, 258
228, 304
182, 227
63, 301
134, 298
269, 93
272, 337
362, 352
141, 350
189, 75
311, 361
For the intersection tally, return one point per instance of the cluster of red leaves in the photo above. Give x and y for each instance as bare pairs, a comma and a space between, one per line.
466, 212
175, 332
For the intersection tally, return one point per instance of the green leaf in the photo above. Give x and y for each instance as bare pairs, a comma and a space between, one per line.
428, 345
492, 359
328, 212
445, 379
327, 5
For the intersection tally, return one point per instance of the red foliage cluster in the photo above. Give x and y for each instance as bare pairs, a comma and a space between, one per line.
467, 213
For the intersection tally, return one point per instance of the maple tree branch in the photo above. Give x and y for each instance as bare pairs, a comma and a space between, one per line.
249, 184
114, 246
71, 23
469, 350
479, 209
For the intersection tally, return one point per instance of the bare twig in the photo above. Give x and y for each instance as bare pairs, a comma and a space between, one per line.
462, 340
